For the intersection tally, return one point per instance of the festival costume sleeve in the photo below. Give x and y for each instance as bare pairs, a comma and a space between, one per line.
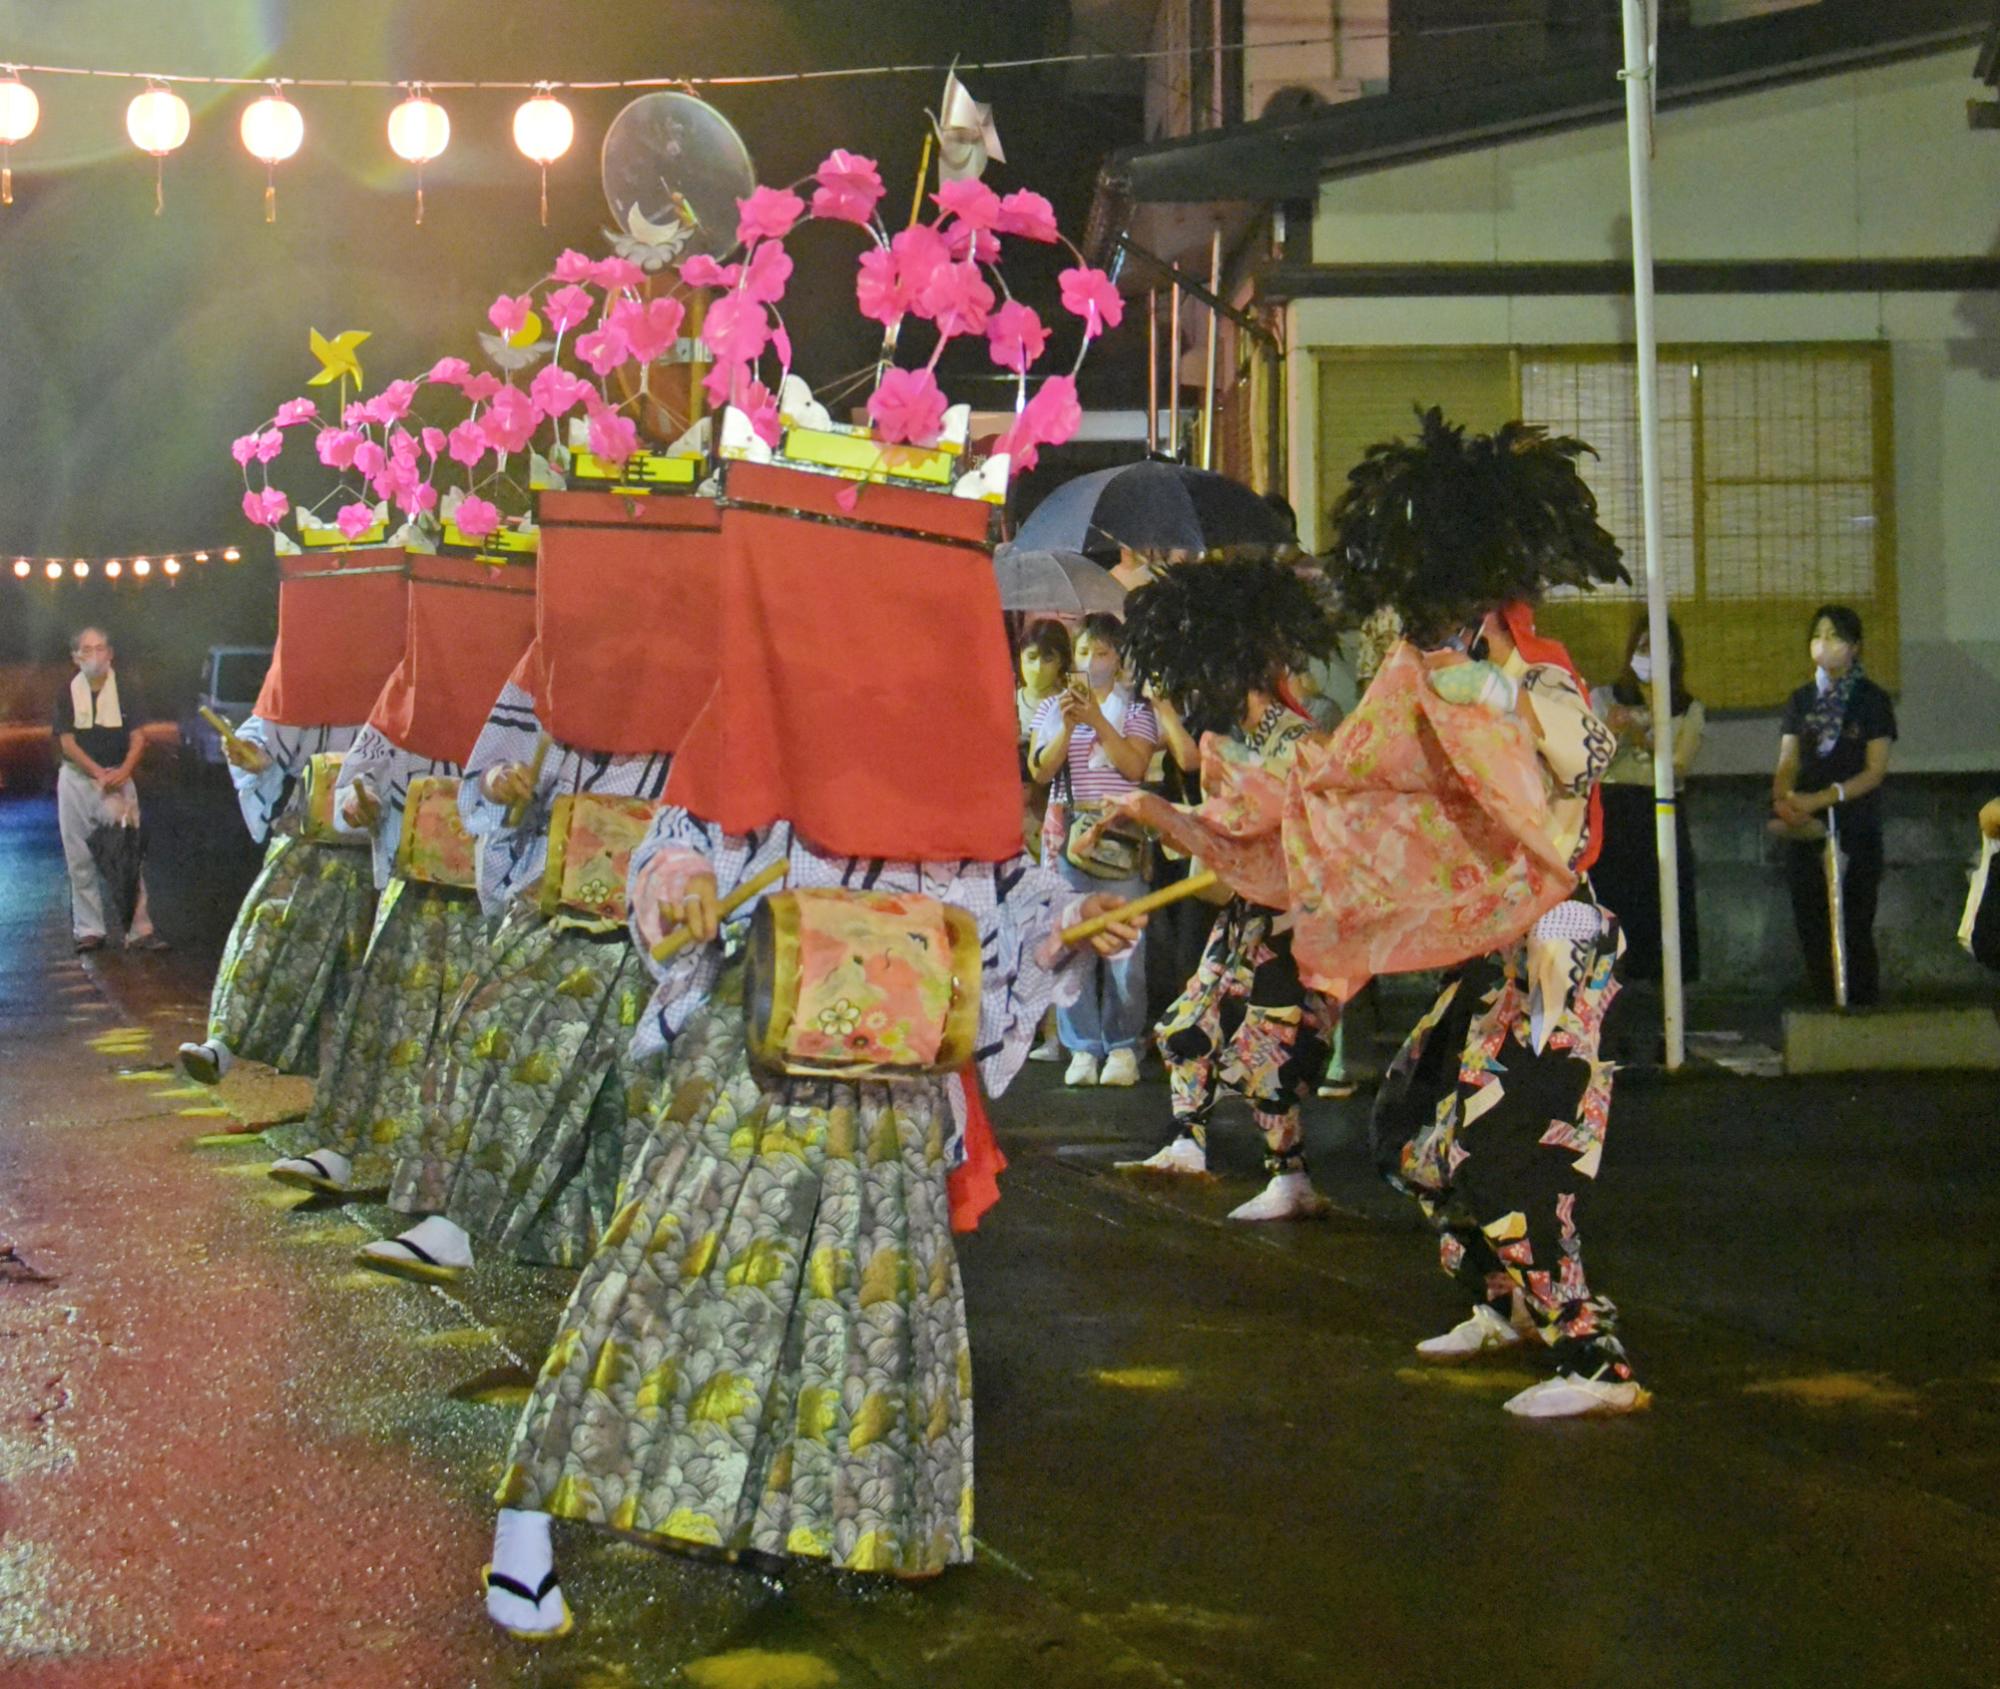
387, 769
514, 852
267, 794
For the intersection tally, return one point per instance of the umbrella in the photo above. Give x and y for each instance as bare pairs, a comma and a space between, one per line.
1152, 506
117, 848
1059, 583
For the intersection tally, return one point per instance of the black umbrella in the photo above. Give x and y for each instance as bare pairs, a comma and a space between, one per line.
1152, 507
118, 849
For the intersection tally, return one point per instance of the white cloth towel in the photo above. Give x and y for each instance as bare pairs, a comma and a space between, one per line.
99, 708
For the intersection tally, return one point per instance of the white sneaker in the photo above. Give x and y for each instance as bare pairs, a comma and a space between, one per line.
1183, 1155
433, 1251
324, 1170
205, 1063
1570, 1396
1082, 1069
1482, 1333
1049, 1049
1121, 1067
1289, 1196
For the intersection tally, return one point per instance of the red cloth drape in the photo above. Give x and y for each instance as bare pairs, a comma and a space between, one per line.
864, 690
625, 619
973, 1186
468, 625
340, 633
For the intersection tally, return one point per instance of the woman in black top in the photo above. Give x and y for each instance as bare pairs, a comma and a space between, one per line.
1832, 760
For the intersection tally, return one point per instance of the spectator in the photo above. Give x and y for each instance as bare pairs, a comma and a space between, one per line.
96, 732
1833, 755
1044, 672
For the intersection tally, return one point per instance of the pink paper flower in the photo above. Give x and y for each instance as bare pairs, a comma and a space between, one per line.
1028, 215
266, 506
243, 448
909, 405
476, 517
395, 478
1015, 336
450, 370
649, 327
766, 272
957, 299
481, 387
737, 329
433, 441
1088, 293
760, 405
566, 307
556, 391
850, 187
613, 437
509, 313
509, 422
920, 253
611, 274
337, 447
369, 457
603, 348
968, 242
269, 444
573, 266
878, 289
392, 404
970, 200
355, 415
402, 445
703, 271
781, 343
467, 443
1051, 417
768, 214
417, 498
294, 411
354, 520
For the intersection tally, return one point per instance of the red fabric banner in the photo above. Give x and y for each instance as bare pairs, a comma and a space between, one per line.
340, 633
864, 692
468, 625
625, 619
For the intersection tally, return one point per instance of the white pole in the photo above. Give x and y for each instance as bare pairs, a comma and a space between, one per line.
1639, 101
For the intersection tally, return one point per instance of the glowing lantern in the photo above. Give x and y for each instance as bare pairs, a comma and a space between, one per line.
272, 131
80, 569
201, 557
172, 566
22, 568
231, 555
113, 569
418, 133
543, 130
157, 121
53, 570
141, 567
20, 111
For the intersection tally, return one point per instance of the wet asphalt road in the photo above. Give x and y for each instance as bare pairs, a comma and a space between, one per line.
1206, 1455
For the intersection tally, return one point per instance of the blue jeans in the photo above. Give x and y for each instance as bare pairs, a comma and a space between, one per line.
1111, 1013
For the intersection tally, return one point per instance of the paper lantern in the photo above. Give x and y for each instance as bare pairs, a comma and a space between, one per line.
141, 567
113, 569
53, 570
20, 111
543, 130
231, 555
157, 121
80, 569
272, 131
172, 566
419, 131
22, 568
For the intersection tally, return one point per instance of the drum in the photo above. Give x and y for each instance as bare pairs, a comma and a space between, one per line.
322, 774
861, 984
591, 840
435, 847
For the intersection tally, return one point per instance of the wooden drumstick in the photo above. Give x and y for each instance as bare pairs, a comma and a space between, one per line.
229, 734
517, 812
679, 939
1193, 886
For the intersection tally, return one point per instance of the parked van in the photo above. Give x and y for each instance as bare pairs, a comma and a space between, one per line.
231, 678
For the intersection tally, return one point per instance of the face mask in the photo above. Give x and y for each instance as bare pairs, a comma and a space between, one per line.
95, 668
1101, 672
1642, 667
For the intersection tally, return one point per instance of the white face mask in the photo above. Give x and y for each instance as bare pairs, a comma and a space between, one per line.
94, 668
1642, 667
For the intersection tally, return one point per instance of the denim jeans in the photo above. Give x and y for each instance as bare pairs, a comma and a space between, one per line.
1111, 1013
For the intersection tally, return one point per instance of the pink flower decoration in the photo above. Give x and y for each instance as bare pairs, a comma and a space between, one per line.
369, 458
509, 313
613, 437
509, 422
703, 271
337, 447
476, 517
417, 498
850, 186
402, 445
556, 392
1052, 416
243, 448
269, 444
737, 329
768, 214
604, 348
566, 307
909, 405
971, 201
957, 299
355, 415
649, 328
467, 443
611, 274
878, 289
968, 242
433, 441
392, 404
1028, 215
396, 478
765, 273
265, 507
451, 370
1015, 336
481, 387
294, 411
1088, 293
781, 343
573, 266
354, 520
760, 405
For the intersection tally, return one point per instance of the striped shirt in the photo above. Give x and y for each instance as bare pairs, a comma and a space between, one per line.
1085, 783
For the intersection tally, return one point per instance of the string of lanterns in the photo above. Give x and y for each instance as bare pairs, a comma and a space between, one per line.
57, 571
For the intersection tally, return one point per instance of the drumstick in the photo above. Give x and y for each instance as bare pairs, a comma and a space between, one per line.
1193, 886
517, 811
678, 940
229, 734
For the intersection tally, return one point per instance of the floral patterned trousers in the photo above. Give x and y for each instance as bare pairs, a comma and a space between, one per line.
1246, 1023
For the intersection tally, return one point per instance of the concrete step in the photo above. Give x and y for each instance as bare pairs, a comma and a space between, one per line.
1912, 1039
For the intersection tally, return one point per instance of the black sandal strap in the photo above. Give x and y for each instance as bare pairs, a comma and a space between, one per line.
513, 1586
318, 1167
416, 1249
